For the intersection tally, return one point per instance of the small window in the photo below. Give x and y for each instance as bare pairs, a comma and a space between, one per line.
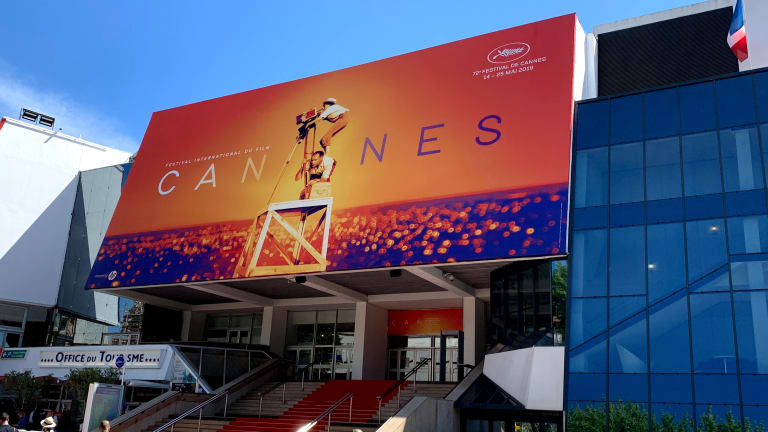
662, 169
697, 107
591, 178
627, 173
742, 168
701, 164
712, 330
735, 101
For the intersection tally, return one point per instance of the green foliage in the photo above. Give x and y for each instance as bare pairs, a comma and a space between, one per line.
24, 385
559, 286
589, 419
78, 380
632, 417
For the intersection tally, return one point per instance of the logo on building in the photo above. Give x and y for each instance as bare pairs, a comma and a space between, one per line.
112, 275
509, 52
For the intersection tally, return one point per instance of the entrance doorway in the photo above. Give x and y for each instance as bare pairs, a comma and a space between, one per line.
400, 360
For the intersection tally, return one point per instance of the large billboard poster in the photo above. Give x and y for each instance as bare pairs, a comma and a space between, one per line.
454, 153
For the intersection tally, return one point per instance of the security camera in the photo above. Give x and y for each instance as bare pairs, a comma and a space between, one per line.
449, 276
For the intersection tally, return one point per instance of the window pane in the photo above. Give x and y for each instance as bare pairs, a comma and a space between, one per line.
591, 178
669, 336
592, 126
661, 113
627, 173
662, 169
627, 261
671, 388
748, 274
706, 247
588, 262
764, 143
701, 164
761, 88
752, 330
741, 159
735, 101
697, 107
588, 318
712, 415
588, 387
756, 415
716, 388
666, 260
712, 331
748, 234
715, 281
628, 348
622, 308
628, 387
626, 119
589, 357
753, 389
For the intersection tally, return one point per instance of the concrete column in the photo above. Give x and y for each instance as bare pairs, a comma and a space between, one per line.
273, 325
193, 326
369, 356
474, 330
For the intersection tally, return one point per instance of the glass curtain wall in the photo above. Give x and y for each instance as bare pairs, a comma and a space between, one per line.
668, 294
240, 329
324, 339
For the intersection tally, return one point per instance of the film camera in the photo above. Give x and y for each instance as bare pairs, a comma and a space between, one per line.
305, 121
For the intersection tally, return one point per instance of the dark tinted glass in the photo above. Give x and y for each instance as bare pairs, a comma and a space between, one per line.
666, 260
753, 389
626, 119
676, 413
588, 263
749, 272
704, 206
669, 345
627, 261
627, 173
627, 214
748, 234
592, 124
752, 330
742, 168
697, 107
712, 415
590, 357
588, 318
589, 217
735, 101
701, 164
622, 308
591, 178
712, 330
669, 210
716, 388
756, 415
587, 387
761, 88
661, 113
671, 388
662, 169
628, 387
627, 347
706, 247
764, 143
745, 202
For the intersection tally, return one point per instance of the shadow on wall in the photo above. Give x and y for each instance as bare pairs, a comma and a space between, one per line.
31, 269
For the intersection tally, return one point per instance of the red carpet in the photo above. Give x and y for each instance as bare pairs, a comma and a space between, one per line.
364, 407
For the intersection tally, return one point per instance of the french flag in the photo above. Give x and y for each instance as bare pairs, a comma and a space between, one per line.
737, 35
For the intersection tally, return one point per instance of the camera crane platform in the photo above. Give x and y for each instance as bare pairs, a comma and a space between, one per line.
308, 205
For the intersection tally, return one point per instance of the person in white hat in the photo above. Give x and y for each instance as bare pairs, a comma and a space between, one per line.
338, 116
48, 424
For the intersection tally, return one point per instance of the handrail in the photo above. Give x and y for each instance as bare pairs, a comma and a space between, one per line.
399, 383
328, 412
199, 406
303, 370
227, 390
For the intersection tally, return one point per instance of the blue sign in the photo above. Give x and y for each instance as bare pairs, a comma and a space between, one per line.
120, 361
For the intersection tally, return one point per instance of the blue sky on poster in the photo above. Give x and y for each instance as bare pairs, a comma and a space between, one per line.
101, 68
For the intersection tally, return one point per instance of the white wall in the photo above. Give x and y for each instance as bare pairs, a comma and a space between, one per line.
756, 23
38, 182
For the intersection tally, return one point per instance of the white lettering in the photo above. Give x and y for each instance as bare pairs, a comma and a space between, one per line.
203, 179
160, 185
249, 163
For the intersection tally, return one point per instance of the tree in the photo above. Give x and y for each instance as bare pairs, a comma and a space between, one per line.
589, 419
559, 284
25, 386
78, 380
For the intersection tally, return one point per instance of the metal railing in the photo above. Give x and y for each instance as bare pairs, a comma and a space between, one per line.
328, 412
199, 407
226, 390
303, 371
399, 385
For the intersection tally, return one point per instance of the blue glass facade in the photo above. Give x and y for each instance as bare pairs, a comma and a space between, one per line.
668, 289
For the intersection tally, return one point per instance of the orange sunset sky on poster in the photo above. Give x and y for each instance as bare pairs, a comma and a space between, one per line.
398, 97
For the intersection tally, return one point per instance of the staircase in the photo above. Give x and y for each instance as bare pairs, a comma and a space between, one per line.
436, 390
272, 404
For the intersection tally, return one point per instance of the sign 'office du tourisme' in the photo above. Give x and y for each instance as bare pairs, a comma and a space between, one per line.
454, 153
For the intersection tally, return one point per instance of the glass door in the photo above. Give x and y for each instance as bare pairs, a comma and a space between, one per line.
452, 366
342, 367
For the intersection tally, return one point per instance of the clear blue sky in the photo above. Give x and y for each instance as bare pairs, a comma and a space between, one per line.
102, 67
